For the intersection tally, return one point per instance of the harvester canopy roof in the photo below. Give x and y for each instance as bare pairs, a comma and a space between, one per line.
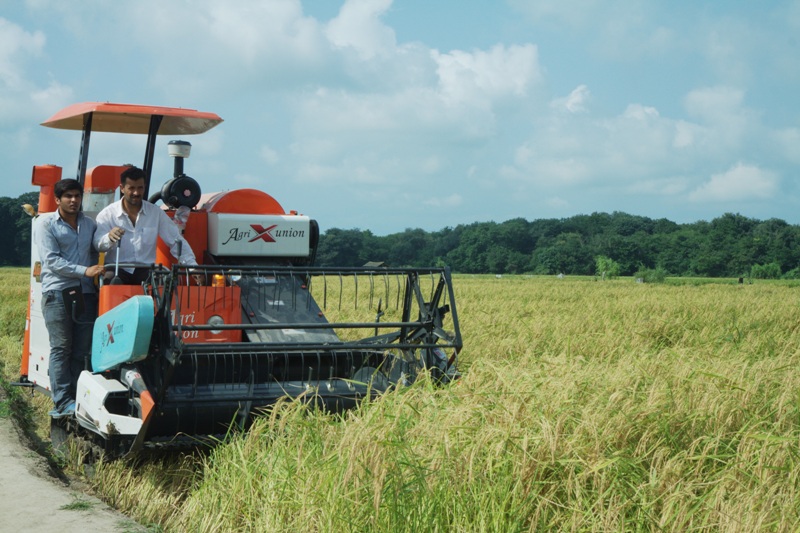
128, 118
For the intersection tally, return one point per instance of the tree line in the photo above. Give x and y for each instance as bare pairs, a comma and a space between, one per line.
15, 229
731, 245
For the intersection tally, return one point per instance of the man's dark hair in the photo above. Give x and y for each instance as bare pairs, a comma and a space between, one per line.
131, 173
65, 185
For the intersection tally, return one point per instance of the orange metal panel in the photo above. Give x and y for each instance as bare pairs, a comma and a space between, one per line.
196, 233
46, 176
113, 295
199, 304
244, 202
133, 118
103, 178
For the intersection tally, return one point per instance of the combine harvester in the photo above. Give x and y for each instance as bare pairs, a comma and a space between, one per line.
176, 361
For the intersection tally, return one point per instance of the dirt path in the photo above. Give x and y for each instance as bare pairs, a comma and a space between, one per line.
33, 498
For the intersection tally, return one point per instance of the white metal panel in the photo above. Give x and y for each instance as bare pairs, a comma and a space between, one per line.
90, 409
94, 202
39, 361
258, 235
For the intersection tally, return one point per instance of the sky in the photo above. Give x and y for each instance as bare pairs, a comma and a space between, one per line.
386, 115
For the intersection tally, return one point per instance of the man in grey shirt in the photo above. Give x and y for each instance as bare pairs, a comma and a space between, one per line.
69, 264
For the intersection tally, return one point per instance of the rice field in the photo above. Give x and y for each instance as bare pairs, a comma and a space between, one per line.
584, 406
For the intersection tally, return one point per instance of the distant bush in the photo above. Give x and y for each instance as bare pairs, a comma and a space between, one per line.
792, 274
651, 275
768, 271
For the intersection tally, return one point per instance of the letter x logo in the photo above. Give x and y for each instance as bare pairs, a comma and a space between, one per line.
263, 233
110, 328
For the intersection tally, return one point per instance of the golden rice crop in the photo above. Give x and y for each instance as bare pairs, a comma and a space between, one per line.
584, 405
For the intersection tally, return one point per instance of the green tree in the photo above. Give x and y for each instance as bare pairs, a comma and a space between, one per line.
413, 247
15, 239
567, 255
338, 247
471, 254
22, 238
727, 246
605, 267
676, 250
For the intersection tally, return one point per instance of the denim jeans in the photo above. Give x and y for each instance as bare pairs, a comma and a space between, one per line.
70, 343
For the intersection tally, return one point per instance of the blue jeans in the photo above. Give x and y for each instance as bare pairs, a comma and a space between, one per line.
70, 343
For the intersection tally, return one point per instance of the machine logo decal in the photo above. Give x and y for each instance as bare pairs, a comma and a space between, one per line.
110, 328
270, 235
263, 233
256, 233
108, 338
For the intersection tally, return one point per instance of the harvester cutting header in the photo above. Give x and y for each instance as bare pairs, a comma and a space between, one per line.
190, 349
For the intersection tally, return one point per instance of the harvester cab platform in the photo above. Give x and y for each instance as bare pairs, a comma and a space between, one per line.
197, 349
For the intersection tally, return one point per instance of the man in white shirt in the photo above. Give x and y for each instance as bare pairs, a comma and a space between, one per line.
134, 225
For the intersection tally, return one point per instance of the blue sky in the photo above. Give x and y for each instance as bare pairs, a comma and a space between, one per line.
386, 115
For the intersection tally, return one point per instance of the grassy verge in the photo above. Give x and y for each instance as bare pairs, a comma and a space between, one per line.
13, 307
29, 412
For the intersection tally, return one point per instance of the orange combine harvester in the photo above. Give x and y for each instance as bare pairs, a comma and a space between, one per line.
195, 351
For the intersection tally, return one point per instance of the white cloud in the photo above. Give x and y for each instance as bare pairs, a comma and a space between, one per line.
453, 200
640, 112
641, 152
573, 13
787, 141
568, 149
740, 182
16, 46
246, 180
618, 29
660, 186
728, 47
558, 172
363, 174
358, 27
22, 97
314, 173
556, 202
254, 30
724, 126
685, 134
206, 48
482, 76
575, 101
715, 104
431, 165
268, 154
